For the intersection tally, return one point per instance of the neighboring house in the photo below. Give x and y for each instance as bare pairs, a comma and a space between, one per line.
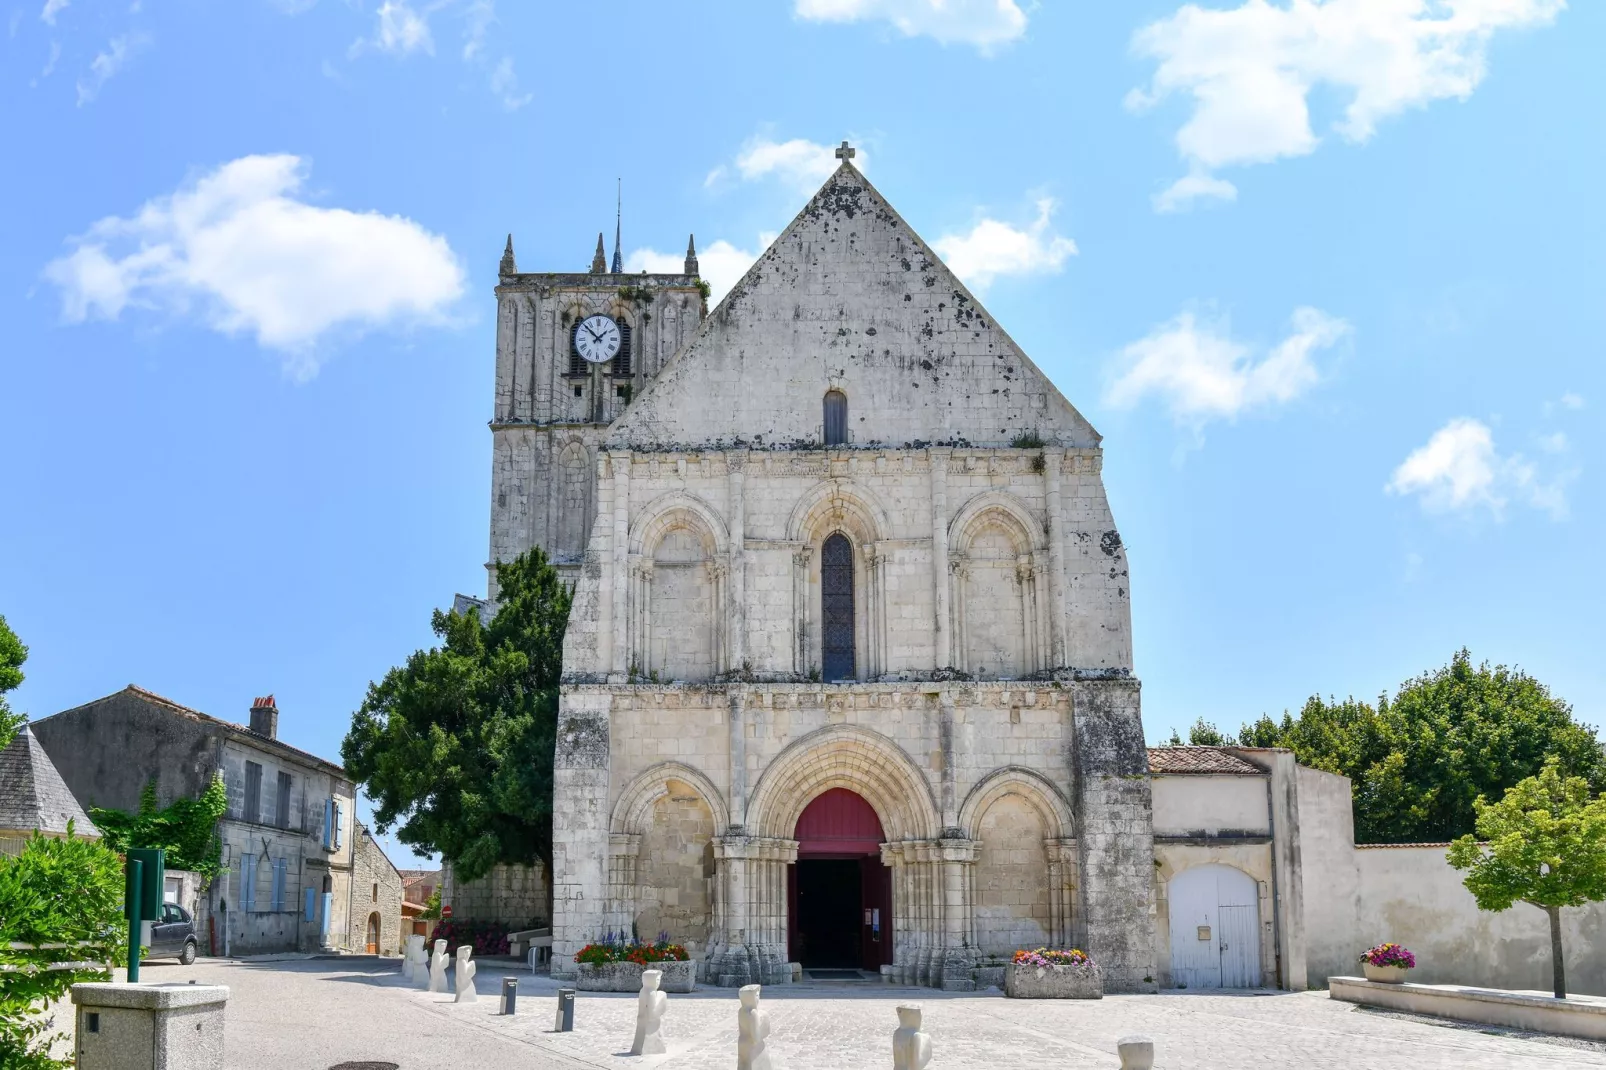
378, 907
288, 834
417, 886
34, 798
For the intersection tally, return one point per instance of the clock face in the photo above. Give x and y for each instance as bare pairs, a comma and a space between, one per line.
597, 338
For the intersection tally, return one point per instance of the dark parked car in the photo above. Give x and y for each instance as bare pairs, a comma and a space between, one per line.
174, 935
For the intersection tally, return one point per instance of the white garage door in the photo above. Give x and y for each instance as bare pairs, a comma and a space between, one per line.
1215, 928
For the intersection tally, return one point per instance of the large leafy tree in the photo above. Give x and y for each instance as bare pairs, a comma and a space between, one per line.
455, 747
1419, 762
1544, 845
12, 655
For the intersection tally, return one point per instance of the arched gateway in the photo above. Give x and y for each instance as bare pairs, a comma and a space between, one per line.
839, 894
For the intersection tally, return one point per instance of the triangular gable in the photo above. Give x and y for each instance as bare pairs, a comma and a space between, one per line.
850, 297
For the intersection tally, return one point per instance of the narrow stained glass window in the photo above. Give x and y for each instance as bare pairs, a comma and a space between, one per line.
836, 418
836, 607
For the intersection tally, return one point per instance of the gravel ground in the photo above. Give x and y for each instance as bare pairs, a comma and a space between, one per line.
312, 1015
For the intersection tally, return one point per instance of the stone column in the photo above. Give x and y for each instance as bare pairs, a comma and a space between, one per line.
945, 744
959, 948
1115, 831
939, 554
603, 556
800, 608
620, 546
1053, 465
580, 841
738, 758
736, 605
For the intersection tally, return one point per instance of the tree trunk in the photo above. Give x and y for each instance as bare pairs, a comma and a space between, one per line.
1558, 970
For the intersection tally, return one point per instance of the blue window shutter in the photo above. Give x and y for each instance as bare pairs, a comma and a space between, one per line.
311, 909
328, 905
339, 825
328, 822
248, 882
278, 884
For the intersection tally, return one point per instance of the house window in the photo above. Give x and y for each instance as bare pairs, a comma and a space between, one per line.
836, 418
253, 792
376, 891
836, 607
281, 815
621, 359
577, 363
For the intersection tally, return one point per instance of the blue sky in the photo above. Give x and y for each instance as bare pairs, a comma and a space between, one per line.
1327, 278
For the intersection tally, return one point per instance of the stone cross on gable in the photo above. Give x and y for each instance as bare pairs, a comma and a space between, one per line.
846, 152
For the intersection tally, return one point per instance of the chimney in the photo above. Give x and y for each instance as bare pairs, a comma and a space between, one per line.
265, 717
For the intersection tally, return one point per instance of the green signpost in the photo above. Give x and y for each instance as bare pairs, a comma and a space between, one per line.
145, 871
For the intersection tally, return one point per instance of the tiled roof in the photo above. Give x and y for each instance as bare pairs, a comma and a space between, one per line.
32, 793
239, 730
1217, 760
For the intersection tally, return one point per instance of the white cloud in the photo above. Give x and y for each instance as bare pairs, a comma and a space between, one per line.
1554, 443
993, 248
479, 17
1202, 374
119, 52
800, 163
238, 248
1572, 401
400, 31
505, 84
1250, 70
1185, 190
986, 24
721, 264
1459, 470
50, 64
53, 8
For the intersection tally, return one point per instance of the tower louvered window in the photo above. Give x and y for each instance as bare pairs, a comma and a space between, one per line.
621, 360
836, 418
577, 363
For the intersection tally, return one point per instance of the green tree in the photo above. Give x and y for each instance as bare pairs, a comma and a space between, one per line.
455, 747
12, 655
56, 892
187, 829
1418, 762
1203, 734
1545, 845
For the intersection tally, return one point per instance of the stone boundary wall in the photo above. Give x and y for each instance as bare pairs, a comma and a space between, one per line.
513, 895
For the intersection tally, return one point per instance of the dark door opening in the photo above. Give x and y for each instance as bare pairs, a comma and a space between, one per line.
828, 913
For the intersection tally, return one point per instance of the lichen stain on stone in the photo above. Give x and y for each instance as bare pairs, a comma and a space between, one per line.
1110, 542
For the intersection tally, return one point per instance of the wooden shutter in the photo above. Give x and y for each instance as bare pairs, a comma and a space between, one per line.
282, 810
836, 418
253, 792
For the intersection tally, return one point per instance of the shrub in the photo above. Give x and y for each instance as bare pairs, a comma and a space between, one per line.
485, 937
63, 892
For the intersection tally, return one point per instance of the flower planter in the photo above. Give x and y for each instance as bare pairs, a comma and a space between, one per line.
678, 977
1025, 981
1388, 975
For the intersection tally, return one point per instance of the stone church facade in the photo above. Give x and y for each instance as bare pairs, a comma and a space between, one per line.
841, 544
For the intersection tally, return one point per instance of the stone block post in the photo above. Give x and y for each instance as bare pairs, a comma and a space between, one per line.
1115, 831
580, 841
149, 1026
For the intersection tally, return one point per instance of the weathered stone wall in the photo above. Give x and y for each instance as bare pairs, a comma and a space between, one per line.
1012, 882
1115, 833
513, 895
109, 749
376, 896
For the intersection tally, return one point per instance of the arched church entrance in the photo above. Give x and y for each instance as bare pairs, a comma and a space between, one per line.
839, 894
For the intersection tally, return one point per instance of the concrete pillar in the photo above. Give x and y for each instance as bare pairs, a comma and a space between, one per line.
943, 656
149, 1026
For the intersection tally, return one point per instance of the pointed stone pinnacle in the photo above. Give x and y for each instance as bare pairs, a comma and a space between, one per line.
599, 261
691, 254
508, 266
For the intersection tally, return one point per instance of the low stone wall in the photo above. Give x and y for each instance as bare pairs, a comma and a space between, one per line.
514, 895
1024, 981
680, 977
1575, 1017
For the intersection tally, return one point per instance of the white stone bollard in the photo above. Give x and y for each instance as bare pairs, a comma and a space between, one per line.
752, 1026
650, 1007
911, 1049
466, 969
1136, 1051
412, 957
437, 968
